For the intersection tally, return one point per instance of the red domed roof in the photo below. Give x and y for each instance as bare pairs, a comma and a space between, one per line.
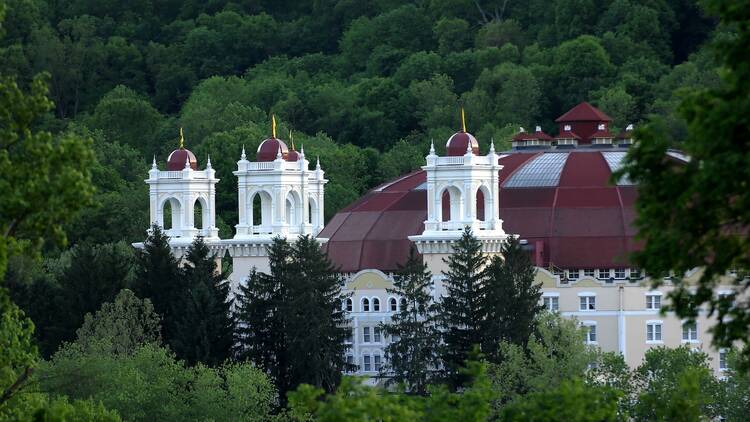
269, 148
458, 143
560, 201
176, 160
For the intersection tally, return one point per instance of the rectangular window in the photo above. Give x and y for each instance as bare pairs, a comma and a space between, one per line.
723, 359
591, 334
653, 302
366, 332
377, 363
349, 338
588, 303
603, 273
376, 334
689, 332
619, 273
350, 363
573, 274
653, 331
589, 272
552, 303
635, 273
367, 363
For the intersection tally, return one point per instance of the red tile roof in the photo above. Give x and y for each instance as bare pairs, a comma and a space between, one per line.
582, 222
584, 112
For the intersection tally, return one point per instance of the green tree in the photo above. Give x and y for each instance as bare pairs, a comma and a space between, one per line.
680, 378
734, 393
91, 275
461, 311
18, 354
354, 401
261, 320
37, 168
512, 299
125, 324
150, 384
158, 278
570, 401
317, 325
412, 355
127, 118
708, 201
204, 325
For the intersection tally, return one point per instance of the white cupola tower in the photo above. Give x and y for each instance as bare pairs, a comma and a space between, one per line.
278, 196
462, 190
186, 195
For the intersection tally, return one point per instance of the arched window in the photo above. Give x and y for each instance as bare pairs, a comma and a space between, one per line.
450, 204
365, 305
480, 205
260, 212
376, 305
403, 303
171, 215
200, 215
392, 304
348, 305
167, 215
446, 205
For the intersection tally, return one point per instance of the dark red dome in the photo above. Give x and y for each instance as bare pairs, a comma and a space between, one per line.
268, 149
560, 201
176, 160
458, 143
293, 155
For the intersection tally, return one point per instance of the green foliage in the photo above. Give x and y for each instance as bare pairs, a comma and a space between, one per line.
18, 354
412, 355
512, 299
37, 168
674, 384
703, 226
292, 323
203, 324
461, 309
158, 278
554, 353
570, 401
355, 402
149, 384
124, 324
734, 393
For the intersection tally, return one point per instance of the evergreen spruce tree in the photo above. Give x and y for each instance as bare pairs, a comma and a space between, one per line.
260, 316
204, 325
461, 310
316, 326
158, 278
412, 355
512, 299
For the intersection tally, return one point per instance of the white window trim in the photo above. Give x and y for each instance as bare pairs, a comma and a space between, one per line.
362, 304
653, 293
388, 303
551, 294
372, 304
682, 329
655, 321
586, 294
589, 324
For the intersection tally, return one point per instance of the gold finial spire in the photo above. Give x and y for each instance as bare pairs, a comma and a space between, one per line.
291, 139
463, 120
273, 126
182, 139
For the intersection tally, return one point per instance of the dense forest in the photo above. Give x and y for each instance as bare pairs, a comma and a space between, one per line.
364, 85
